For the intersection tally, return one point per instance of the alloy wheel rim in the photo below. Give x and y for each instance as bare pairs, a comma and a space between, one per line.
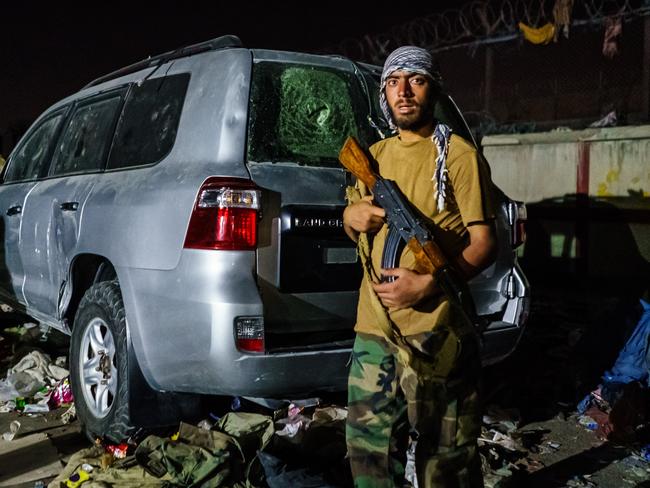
97, 367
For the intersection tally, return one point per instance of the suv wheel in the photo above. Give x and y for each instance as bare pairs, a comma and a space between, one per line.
98, 363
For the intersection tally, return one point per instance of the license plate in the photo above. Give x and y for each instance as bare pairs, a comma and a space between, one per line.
340, 255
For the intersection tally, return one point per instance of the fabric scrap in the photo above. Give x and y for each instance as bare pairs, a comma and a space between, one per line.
538, 35
562, 17
613, 31
39, 366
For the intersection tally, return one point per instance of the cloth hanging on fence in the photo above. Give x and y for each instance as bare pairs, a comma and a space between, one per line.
538, 35
562, 17
613, 31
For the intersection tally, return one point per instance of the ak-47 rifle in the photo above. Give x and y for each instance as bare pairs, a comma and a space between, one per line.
404, 226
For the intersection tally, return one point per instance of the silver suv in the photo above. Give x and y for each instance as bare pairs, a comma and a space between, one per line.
181, 218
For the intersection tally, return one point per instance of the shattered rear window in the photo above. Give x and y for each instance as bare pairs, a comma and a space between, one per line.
303, 114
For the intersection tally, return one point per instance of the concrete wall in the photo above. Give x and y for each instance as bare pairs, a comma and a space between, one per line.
588, 196
538, 166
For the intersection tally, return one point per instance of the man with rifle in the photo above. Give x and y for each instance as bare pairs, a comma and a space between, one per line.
416, 359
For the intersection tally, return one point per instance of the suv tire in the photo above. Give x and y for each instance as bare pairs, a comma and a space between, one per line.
98, 363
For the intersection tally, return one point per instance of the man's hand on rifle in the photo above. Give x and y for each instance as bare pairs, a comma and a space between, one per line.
408, 289
363, 216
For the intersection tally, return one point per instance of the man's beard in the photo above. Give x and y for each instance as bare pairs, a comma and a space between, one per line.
416, 120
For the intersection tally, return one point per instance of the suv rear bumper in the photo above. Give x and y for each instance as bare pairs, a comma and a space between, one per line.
181, 328
182, 331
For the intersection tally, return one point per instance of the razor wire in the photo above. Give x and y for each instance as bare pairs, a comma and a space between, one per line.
479, 21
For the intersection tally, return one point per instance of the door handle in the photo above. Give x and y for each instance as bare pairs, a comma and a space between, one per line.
16, 209
69, 206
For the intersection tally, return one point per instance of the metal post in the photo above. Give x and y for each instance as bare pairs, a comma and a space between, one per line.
645, 88
489, 71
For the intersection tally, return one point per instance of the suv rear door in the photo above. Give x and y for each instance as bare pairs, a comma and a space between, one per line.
53, 210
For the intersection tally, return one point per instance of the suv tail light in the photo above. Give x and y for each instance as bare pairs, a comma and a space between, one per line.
249, 334
517, 217
224, 216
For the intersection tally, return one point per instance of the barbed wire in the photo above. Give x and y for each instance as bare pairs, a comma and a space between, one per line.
478, 21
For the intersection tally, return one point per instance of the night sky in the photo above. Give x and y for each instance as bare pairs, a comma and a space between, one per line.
50, 51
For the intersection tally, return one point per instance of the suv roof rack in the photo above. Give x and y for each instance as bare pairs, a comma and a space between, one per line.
222, 42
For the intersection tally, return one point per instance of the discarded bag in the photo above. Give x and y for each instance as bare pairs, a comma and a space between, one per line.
200, 457
252, 431
633, 361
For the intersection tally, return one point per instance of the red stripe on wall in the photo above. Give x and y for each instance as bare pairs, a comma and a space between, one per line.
582, 182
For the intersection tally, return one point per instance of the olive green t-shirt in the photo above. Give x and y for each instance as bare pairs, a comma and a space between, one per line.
469, 200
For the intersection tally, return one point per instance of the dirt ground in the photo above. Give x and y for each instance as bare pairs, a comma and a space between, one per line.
572, 337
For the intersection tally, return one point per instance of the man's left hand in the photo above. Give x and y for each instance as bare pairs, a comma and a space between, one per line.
406, 290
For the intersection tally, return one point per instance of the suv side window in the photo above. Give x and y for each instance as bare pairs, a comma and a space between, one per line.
147, 129
87, 137
32, 157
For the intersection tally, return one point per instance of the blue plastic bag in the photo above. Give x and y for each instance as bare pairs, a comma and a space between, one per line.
632, 364
633, 361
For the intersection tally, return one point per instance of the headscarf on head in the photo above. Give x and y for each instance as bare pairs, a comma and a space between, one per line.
417, 60
408, 58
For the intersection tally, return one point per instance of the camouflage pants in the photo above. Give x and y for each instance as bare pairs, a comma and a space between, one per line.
387, 401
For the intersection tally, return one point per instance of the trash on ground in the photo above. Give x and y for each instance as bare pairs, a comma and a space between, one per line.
580, 481
504, 420
14, 427
645, 452
36, 408
118, 451
588, 422
77, 479
61, 394
619, 406
496, 437
69, 415
33, 374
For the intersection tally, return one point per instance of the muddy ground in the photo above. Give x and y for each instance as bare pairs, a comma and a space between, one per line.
573, 336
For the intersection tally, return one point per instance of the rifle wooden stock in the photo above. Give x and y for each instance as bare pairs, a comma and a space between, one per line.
428, 256
355, 159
